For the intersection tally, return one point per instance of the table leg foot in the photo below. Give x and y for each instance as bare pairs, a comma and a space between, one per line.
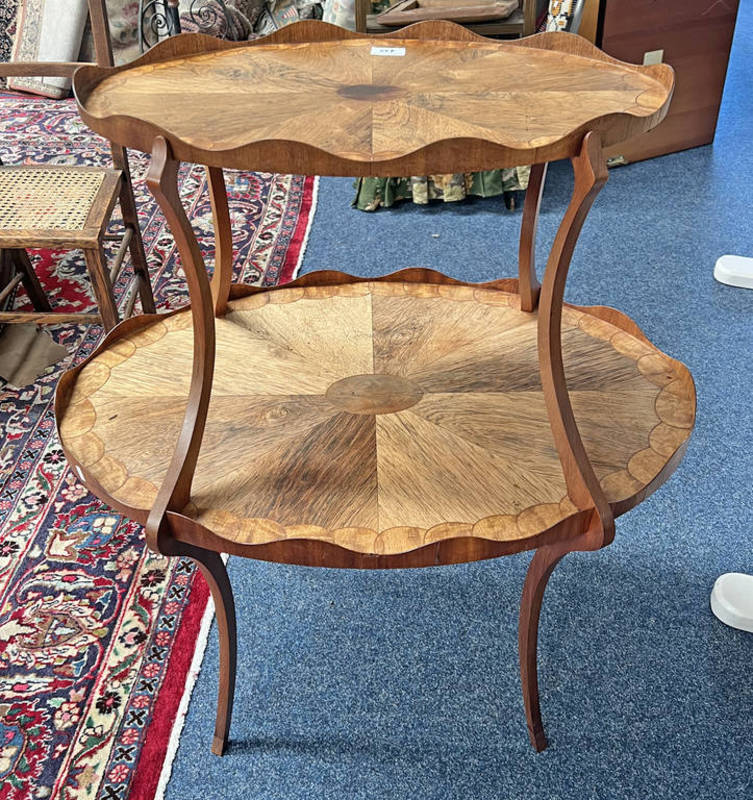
538, 739
542, 565
213, 569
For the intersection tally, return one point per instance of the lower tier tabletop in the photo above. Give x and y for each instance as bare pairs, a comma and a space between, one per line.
377, 416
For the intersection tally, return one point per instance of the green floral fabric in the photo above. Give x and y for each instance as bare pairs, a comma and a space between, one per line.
371, 193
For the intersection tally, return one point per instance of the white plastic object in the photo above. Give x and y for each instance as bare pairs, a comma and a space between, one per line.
735, 271
732, 600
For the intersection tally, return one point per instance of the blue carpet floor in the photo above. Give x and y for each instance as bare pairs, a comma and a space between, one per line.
405, 684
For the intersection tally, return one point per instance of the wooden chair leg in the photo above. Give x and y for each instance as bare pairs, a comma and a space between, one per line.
542, 565
213, 569
100, 278
20, 259
131, 220
141, 269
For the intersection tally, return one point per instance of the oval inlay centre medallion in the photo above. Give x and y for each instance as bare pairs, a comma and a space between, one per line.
370, 91
373, 394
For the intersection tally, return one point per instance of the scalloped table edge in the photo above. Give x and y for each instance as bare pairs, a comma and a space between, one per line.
280, 155
286, 545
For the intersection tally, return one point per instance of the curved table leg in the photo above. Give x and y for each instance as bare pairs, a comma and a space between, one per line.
529, 287
176, 487
213, 569
584, 488
223, 239
175, 491
544, 560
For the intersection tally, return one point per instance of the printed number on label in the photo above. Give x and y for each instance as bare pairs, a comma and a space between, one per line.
387, 51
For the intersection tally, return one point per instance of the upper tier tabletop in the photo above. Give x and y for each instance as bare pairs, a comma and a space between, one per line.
313, 98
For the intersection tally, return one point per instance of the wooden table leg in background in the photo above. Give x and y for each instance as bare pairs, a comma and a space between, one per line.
529, 287
223, 239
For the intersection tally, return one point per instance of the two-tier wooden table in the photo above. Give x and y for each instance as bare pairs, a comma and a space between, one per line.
408, 421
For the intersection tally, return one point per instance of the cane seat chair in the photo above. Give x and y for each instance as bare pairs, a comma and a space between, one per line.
69, 207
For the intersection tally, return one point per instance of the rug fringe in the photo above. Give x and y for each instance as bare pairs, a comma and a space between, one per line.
309, 224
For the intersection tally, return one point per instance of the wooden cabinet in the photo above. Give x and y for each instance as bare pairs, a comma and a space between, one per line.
695, 36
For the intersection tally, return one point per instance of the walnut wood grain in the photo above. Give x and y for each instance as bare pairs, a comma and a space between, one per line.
583, 485
473, 457
407, 421
259, 105
373, 394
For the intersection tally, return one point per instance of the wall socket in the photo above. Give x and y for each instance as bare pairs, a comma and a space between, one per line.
653, 57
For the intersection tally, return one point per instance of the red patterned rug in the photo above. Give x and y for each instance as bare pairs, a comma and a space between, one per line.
91, 623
